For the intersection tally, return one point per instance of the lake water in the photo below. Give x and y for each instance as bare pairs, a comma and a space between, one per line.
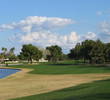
4, 72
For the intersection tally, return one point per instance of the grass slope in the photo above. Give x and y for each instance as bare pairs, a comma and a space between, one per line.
65, 68
99, 90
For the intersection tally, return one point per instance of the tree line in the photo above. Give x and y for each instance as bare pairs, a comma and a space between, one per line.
7, 54
89, 51
30, 52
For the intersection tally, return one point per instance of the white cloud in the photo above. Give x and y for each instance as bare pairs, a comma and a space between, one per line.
47, 38
26, 28
105, 27
40, 31
99, 13
103, 12
104, 31
6, 27
36, 23
73, 37
90, 36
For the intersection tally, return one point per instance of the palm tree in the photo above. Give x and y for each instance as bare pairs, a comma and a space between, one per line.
4, 51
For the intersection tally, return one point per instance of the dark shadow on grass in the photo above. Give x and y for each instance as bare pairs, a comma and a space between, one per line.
82, 65
98, 96
106, 80
62, 64
83, 86
70, 93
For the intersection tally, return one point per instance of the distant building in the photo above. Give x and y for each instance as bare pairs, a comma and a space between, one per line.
43, 60
4, 60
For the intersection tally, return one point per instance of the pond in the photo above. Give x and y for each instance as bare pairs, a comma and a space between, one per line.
4, 72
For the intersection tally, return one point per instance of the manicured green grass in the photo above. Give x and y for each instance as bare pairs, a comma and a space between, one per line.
68, 69
99, 90
65, 68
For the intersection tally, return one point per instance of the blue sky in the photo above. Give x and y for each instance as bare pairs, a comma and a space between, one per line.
85, 19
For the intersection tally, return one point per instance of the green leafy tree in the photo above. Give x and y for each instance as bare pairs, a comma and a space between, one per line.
12, 50
30, 52
8, 55
11, 54
38, 55
87, 46
97, 53
89, 50
75, 53
107, 52
55, 53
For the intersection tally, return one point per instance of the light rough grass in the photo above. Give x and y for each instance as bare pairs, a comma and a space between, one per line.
24, 84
